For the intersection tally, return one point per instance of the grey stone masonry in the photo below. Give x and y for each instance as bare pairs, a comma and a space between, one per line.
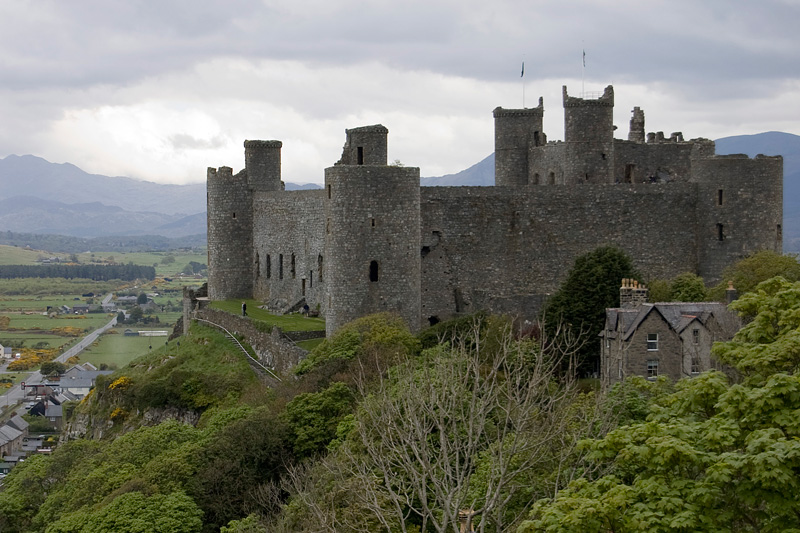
374, 240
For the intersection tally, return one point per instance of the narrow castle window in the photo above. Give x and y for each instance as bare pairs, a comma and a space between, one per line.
269, 266
373, 271
280, 266
373, 222
293, 271
603, 156
328, 226
310, 279
552, 178
629, 168
234, 215
303, 288
720, 232
536, 179
258, 266
719, 197
319, 267
360, 155
329, 192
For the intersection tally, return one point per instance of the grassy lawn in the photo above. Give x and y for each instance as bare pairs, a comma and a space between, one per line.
293, 322
310, 344
117, 350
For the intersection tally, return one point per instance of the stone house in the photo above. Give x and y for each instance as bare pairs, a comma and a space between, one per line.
671, 339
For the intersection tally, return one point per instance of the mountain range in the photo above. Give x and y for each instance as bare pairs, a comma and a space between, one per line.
40, 197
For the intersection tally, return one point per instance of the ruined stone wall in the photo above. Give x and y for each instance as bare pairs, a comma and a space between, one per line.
372, 241
493, 248
740, 209
273, 349
652, 162
230, 238
289, 229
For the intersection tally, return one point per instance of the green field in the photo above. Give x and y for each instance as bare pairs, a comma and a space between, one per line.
150, 259
42, 322
292, 322
39, 303
14, 255
116, 350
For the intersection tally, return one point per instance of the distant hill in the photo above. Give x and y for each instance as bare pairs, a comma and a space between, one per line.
481, 173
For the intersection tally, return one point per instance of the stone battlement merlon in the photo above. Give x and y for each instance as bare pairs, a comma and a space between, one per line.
500, 112
374, 128
263, 144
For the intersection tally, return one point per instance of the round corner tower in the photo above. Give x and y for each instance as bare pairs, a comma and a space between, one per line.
515, 132
372, 233
589, 138
230, 234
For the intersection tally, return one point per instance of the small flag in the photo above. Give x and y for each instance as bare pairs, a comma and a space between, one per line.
584, 59
523, 70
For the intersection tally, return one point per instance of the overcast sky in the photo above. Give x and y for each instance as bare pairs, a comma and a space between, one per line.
162, 90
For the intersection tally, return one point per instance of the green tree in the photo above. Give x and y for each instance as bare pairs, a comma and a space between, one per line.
687, 287
168, 260
53, 368
754, 269
713, 456
136, 314
141, 299
578, 307
313, 417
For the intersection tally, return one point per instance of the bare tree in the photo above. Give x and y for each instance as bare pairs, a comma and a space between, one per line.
501, 400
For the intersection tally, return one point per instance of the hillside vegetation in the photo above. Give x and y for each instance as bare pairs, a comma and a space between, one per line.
382, 430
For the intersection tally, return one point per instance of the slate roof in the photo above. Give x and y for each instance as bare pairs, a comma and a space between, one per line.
18, 422
677, 314
8, 434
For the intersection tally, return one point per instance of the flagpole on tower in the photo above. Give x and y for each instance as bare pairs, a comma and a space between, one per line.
583, 74
522, 78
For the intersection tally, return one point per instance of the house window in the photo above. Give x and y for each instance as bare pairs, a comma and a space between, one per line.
652, 369
652, 342
696, 336
373, 271
695, 364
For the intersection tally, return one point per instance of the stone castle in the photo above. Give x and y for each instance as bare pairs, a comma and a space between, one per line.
373, 240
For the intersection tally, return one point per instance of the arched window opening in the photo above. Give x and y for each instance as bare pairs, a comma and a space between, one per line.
373, 271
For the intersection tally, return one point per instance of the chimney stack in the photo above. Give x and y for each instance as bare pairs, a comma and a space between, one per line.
631, 294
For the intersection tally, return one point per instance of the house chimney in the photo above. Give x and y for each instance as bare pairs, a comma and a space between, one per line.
731, 294
631, 294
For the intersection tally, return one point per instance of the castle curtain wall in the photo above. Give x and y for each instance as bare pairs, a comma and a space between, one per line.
289, 224
494, 248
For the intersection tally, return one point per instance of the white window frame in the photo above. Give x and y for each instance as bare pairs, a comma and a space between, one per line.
652, 342
652, 368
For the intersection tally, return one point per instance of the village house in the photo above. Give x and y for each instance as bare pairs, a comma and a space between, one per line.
671, 339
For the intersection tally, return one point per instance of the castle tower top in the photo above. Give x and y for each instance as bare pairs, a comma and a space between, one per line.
367, 145
262, 159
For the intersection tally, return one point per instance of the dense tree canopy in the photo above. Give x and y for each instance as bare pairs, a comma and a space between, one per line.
580, 303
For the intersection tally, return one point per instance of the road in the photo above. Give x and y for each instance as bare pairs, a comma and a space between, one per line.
16, 394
